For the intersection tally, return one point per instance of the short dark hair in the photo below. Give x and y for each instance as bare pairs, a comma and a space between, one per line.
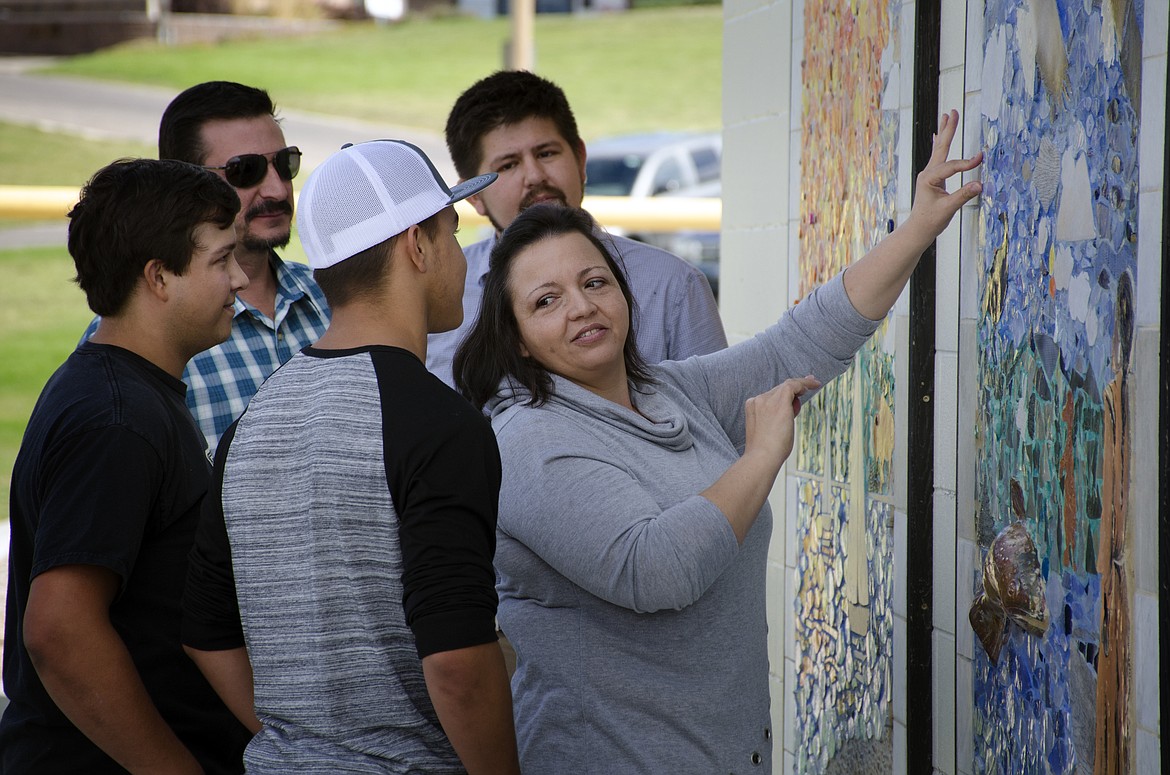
136, 210
180, 131
504, 98
364, 272
491, 351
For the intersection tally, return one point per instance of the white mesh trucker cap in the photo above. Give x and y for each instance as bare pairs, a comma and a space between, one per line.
367, 193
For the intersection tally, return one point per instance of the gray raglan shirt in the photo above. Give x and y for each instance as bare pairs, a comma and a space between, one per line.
638, 621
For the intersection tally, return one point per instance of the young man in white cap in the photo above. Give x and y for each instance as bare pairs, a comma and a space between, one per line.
356, 500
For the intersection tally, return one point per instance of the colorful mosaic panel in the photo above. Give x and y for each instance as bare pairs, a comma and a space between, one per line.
847, 204
810, 436
844, 623
876, 363
839, 423
1060, 117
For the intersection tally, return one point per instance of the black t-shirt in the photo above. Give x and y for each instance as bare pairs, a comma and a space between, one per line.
111, 472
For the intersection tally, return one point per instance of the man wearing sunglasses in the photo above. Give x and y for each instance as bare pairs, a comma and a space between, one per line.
232, 129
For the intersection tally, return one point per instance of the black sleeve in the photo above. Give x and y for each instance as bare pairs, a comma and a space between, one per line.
443, 471
211, 613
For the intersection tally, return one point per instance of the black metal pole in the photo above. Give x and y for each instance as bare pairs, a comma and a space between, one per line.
920, 420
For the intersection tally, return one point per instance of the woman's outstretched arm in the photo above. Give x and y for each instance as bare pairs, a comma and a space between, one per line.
877, 279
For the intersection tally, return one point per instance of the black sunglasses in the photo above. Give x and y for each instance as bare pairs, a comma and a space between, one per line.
248, 169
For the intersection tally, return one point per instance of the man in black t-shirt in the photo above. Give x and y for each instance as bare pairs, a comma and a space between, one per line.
107, 488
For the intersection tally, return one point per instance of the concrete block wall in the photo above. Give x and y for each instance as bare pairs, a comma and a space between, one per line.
1150, 289
761, 105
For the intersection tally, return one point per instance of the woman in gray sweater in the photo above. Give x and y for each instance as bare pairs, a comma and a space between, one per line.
634, 525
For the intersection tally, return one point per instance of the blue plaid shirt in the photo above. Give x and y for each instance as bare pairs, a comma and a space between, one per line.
221, 381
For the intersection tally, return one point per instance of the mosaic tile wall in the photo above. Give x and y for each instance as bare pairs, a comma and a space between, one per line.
1057, 251
845, 446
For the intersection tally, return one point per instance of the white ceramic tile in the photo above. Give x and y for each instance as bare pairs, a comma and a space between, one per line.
1146, 660
1148, 283
964, 717
1144, 460
777, 699
906, 28
966, 553
750, 51
754, 278
789, 622
778, 611
950, 91
1154, 39
1147, 752
739, 102
904, 196
779, 538
898, 670
973, 11
901, 410
734, 9
792, 290
789, 762
972, 130
789, 721
901, 541
755, 157
945, 556
791, 516
969, 261
795, 138
796, 69
1152, 139
946, 417
952, 39
946, 307
943, 685
900, 761
906, 71
965, 434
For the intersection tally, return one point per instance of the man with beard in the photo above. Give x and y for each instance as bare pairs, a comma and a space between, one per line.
521, 127
232, 129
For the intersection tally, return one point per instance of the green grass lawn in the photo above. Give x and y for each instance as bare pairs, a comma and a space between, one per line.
623, 72
42, 314
29, 157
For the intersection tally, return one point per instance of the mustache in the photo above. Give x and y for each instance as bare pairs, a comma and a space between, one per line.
270, 207
543, 190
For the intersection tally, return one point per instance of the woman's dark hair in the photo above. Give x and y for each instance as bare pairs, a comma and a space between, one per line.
491, 350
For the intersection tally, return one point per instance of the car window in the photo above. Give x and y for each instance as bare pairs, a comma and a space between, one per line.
706, 164
611, 175
667, 178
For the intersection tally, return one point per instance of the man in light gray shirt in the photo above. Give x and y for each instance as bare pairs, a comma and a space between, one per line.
520, 126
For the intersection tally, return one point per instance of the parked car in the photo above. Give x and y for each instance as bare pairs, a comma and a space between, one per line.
662, 164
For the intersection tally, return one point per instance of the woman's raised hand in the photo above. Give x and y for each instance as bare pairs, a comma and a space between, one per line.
933, 205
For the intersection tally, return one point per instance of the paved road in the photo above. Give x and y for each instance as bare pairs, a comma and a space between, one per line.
99, 110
